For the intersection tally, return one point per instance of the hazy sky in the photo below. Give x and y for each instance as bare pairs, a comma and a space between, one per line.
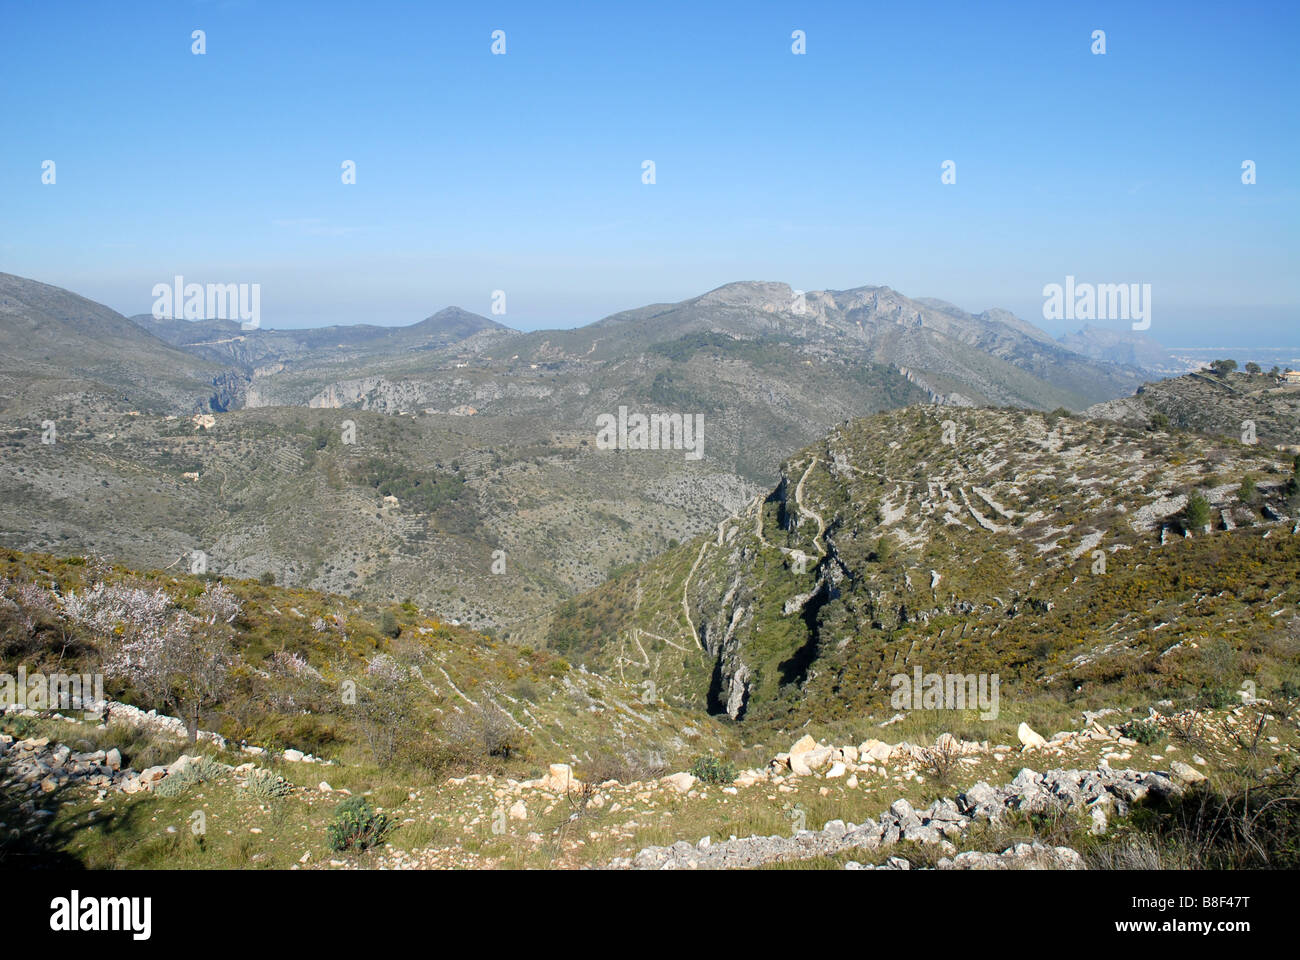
523, 172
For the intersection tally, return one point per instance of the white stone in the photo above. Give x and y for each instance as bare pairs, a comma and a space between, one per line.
1029, 738
681, 782
1185, 772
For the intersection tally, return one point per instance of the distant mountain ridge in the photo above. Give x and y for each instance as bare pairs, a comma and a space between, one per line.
485, 435
929, 340
56, 344
1124, 347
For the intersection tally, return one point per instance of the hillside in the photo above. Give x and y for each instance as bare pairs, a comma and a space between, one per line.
1214, 403
1059, 552
485, 436
61, 352
340, 736
1124, 347
279, 491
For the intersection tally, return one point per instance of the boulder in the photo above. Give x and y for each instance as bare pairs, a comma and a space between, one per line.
1029, 738
559, 778
1185, 773
817, 758
803, 745
681, 782
179, 764
875, 750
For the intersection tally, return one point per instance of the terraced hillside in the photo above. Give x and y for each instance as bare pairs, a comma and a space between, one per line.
1067, 555
1228, 404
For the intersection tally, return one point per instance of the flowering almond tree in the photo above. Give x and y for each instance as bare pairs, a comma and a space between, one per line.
178, 660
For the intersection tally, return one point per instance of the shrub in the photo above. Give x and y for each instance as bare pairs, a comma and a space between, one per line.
941, 760
266, 785
1216, 698
1143, 731
1197, 512
712, 770
356, 826
196, 772
629, 767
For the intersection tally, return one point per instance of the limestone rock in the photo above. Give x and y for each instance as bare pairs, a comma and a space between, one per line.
1029, 738
1185, 773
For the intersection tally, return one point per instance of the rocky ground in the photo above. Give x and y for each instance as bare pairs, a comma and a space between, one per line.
877, 803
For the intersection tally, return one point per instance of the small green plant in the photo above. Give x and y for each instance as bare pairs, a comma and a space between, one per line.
266, 785
1144, 732
714, 771
20, 728
195, 772
1216, 698
356, 826
174, 784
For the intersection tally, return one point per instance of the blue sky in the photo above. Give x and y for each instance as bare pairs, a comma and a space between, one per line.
522, 172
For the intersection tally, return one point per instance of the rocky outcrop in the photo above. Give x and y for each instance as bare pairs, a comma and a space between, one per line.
1023, 856
1066, 791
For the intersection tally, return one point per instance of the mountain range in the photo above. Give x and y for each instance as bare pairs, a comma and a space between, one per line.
472, 482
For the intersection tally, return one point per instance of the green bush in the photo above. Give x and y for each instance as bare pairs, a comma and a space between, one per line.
1197, 511
266, 785
192, 774
1143, 731
1216, 698
712, 770
356, 826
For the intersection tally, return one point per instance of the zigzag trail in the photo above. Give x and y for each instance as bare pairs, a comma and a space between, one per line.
805, 512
